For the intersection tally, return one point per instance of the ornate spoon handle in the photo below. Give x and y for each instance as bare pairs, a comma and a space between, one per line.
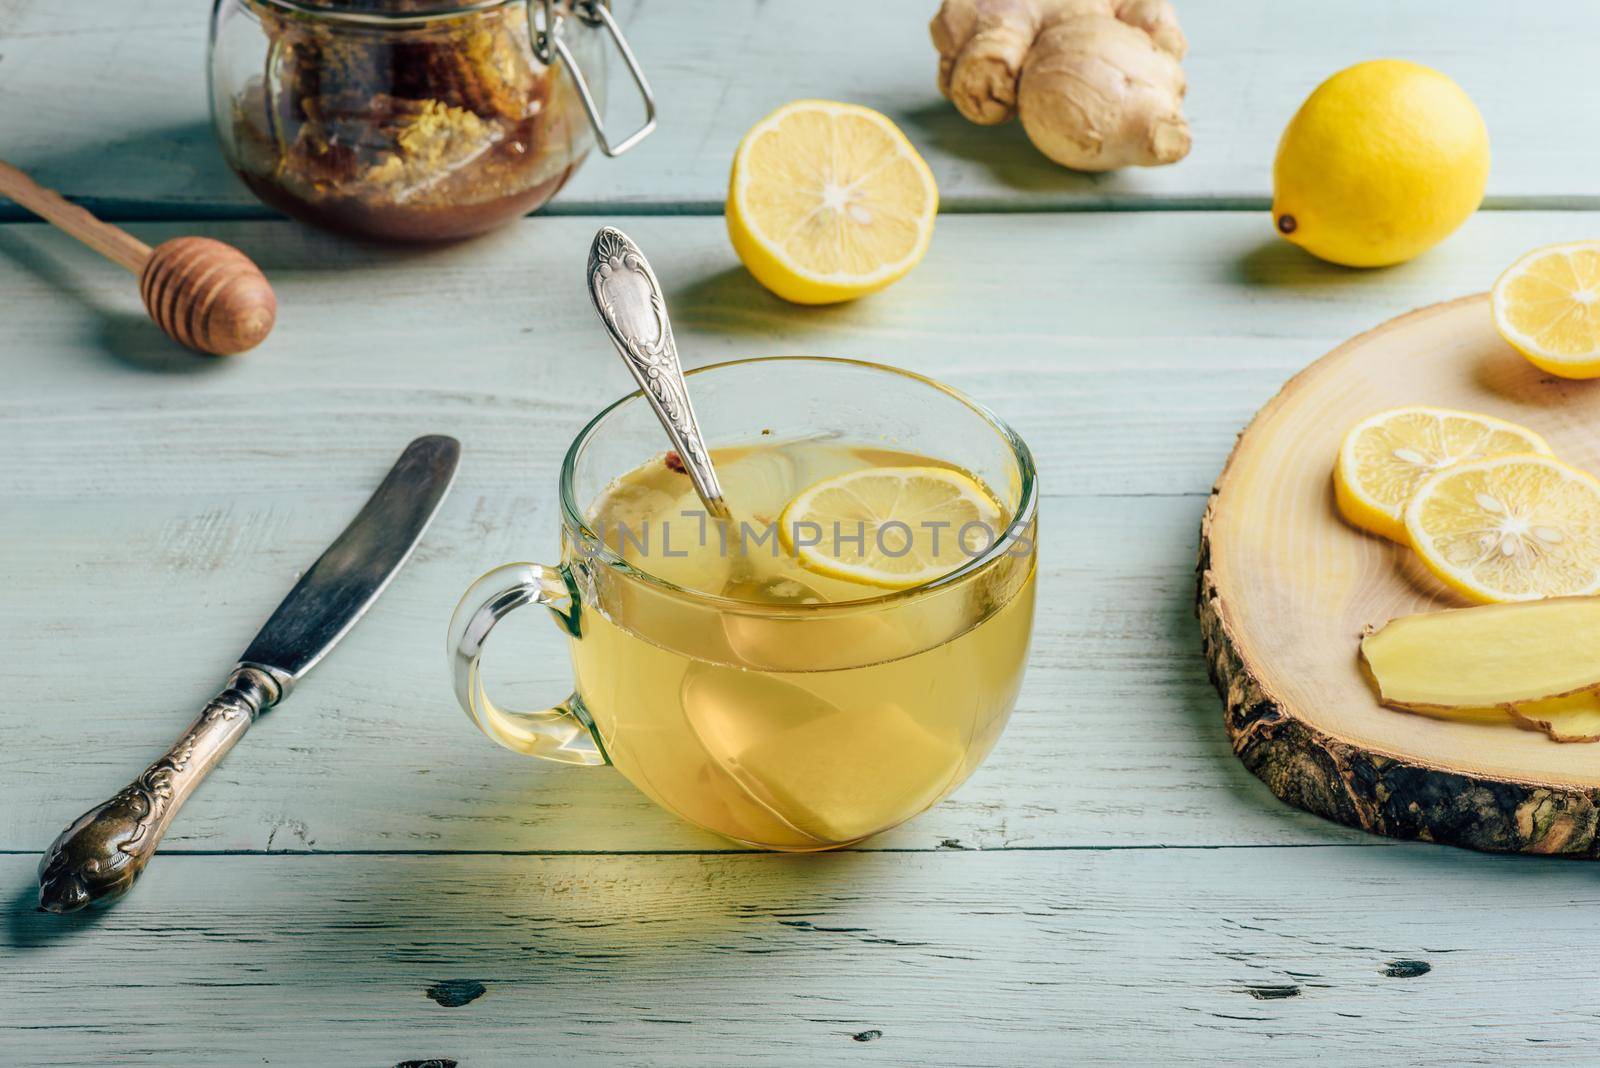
628, 298
97, 858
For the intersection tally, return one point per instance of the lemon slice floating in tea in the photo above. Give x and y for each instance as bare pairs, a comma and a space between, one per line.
1509, 528
829, 202
1386, 456
1547, 305
892, 527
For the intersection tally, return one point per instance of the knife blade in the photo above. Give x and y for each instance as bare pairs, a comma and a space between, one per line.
98, 857
339, 588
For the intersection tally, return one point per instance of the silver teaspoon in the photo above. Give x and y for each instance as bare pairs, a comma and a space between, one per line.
628, 298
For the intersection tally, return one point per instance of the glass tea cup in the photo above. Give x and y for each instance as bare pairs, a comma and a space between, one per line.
786, 724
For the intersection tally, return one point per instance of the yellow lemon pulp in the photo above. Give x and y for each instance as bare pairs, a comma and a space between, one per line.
828, 202
891, 526
1547, 305
1509, 528
1381, 162
1386, 456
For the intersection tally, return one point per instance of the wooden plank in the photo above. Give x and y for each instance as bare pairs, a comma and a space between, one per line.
719, 66
159, 504
1141, 956
1149, 316
1118, 738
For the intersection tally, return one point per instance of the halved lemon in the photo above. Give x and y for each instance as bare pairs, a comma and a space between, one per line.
1547, 305
1509, 528
829, 202
890, 526
1386, 456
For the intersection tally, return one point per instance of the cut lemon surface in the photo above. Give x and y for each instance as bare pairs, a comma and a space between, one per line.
1547, 305
1386, 456
829, 202
1509, 528
892, 527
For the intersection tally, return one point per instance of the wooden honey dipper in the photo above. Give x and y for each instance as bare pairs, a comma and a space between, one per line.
204, 294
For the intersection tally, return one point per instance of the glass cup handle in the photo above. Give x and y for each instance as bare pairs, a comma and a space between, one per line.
562, 733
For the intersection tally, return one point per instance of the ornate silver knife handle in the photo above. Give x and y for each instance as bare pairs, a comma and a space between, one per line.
628, 297
97, 858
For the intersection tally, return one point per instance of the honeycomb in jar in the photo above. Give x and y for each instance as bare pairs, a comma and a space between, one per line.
388, 115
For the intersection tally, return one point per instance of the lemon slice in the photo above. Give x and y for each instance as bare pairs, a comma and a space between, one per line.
1386, 456
1509, 528
890, 526
829, 202
1547, 305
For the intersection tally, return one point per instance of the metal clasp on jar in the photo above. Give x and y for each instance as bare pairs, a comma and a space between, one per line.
548, 45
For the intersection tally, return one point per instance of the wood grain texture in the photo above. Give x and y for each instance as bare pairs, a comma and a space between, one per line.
154, 506
1287, 588
1099, 957
1138, 311
718, 66
161, 503
207, 296
112, 242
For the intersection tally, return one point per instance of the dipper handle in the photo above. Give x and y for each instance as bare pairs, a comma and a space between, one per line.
112, 242
204, 294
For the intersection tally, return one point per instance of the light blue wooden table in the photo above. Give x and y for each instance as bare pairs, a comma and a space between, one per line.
1112, 886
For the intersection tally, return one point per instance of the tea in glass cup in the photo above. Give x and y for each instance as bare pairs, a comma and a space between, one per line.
830, 660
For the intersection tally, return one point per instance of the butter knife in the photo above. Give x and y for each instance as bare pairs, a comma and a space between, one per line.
96, 859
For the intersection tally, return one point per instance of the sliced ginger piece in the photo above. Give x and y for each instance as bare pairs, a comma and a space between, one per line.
1502, 654
1574, 718
1492, 715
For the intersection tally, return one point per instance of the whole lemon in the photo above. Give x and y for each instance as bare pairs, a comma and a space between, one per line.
1381, 163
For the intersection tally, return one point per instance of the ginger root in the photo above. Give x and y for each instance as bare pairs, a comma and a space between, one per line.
1096, 82
1531, 663
1510, 654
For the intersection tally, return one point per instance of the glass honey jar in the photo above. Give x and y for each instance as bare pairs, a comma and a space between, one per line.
413, 120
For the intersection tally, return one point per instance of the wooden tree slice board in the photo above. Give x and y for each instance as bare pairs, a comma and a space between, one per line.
1286, 588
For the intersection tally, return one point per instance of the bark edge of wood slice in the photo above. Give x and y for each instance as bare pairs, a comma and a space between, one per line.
1285, 587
